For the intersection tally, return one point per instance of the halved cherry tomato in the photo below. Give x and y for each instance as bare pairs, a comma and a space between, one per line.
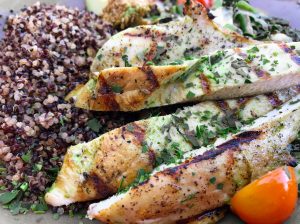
206, 3
270, 199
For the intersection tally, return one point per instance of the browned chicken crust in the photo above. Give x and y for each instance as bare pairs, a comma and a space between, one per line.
123, 13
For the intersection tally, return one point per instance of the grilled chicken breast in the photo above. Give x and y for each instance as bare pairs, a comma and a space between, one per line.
224, 74
206, 180
97, 169
195, 34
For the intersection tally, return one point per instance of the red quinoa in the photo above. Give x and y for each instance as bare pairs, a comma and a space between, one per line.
46, 52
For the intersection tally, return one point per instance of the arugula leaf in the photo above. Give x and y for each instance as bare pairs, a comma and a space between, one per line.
41, 207
7, 197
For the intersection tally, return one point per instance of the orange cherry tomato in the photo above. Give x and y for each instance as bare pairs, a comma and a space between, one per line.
270, 199
206, 3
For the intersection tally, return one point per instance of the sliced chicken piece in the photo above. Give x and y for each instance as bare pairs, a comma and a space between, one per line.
209, 177
196, 34
224, 74
97, 169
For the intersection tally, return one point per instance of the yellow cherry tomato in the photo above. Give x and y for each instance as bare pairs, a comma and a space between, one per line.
269, 200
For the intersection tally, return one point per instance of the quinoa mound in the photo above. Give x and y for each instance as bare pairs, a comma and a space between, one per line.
45, 53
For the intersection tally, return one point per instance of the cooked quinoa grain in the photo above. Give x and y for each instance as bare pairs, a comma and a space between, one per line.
46, 52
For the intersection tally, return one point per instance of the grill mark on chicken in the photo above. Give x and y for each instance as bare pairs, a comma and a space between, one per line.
294, 56
109, 101
210, 154
150, 55
107, 95
244, 137
274, 99
143, 35
210, 213
104, 87
223, 105
102, 189
242, 101
152, 157
150, 77
136, 130
261, 73
205, 83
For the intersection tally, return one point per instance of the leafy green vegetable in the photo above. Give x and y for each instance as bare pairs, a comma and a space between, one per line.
256, 25
40, 207
245, 6
7, 197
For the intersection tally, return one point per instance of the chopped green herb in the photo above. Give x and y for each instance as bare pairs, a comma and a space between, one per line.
117, 89
99, 57
27, 157
24, 186
37, 167
189, 197
190, 95
125, 59
121, 184
204, 134
253, 50
189, 85
129, 127
248, 81
215, 58
145, 147
188, 57
206, 115
177, 62
177, 9
62, 120
220, 186
150, 63
294, 102
94, 125
212, 180
266, 61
